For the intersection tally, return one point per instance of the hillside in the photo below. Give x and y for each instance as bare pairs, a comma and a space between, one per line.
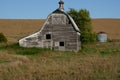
110, 26
16, 29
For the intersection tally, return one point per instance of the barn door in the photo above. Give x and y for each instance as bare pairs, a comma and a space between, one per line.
62, 46
47, 44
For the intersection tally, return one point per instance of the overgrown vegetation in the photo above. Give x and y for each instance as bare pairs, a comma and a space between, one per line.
2, 38
21, 50
83, 21
98, 61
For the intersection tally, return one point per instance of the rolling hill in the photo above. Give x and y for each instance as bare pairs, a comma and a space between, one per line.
16, 29
110, 26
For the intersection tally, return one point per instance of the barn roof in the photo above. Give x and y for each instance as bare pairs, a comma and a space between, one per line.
61, 10
69, 17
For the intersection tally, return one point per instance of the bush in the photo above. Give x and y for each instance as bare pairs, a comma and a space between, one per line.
87, 37
3, 38
84, 22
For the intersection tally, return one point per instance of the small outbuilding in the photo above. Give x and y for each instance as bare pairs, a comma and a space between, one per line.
102, 37
59, 32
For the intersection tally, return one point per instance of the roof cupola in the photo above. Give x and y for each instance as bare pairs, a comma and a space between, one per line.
61, 3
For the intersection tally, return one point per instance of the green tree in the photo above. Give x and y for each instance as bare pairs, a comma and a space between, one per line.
3, 38
84, 22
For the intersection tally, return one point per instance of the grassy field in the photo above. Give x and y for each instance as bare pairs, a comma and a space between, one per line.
94, 62
98, 61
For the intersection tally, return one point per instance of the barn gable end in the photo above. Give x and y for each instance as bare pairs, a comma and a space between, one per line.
59, 32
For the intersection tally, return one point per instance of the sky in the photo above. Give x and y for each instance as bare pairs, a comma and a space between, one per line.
40, 9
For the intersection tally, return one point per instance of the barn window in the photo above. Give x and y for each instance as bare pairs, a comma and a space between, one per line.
48, 36
61, 44
69, 22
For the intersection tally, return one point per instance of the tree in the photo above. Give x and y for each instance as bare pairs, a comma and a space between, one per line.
84, 23
3, 38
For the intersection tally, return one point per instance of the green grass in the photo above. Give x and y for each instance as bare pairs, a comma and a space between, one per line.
87, 49
4, 61
22, 50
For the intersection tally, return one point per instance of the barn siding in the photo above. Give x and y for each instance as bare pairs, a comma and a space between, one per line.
61, 30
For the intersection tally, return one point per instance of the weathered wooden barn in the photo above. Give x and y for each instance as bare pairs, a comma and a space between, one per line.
59, 32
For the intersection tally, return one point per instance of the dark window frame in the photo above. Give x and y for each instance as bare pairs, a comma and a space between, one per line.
62, 43
48, 36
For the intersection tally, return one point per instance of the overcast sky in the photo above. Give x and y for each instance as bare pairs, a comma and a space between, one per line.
40, 9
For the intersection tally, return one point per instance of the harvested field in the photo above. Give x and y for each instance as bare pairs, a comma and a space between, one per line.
110, 26
16, 29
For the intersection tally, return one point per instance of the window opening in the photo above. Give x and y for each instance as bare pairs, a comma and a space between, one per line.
69, 22
61, 44
48, 36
